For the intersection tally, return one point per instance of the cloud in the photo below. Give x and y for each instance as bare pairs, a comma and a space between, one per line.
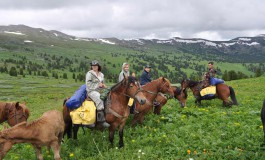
214, 20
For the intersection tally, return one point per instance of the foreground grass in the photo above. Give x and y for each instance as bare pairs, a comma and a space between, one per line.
207, 132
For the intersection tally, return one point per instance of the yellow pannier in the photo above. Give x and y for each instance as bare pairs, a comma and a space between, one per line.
85, 114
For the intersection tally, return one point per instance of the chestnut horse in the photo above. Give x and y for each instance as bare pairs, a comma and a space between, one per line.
223, 92
150, 91
13, 112
179, 94
116, 108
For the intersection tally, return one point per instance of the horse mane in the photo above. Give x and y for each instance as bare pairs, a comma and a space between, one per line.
24, 124
131, 79
193, 83
178, 92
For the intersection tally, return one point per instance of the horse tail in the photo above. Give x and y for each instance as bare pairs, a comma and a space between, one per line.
67, 120
233, 95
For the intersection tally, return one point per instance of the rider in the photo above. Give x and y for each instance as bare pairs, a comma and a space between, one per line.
209, 77
124, 71
145, 77
94, 84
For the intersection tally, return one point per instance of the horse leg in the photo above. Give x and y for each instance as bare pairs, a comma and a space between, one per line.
112, 128
38, 151
5, 148
135, 119
75, 130
121, 144
157, 109
56, 149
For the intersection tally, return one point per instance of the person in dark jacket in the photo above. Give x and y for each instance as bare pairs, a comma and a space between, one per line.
209, 76
145, 77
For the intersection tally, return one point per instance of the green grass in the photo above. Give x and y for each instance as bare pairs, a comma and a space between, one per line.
207, 132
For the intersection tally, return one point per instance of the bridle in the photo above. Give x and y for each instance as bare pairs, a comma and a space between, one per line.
155, 93
127, 88
16, 115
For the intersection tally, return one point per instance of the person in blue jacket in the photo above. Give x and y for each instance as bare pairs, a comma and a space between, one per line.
145, 77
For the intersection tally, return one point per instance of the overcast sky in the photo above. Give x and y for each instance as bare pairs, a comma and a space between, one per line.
126, 19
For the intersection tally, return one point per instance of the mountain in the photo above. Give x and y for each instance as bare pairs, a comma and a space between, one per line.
174, 58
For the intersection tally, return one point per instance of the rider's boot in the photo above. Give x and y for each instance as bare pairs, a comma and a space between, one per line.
101, 118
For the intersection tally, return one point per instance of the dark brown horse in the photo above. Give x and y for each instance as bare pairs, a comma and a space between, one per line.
13, 112
116, 107
179, 94
223, 92
150, 91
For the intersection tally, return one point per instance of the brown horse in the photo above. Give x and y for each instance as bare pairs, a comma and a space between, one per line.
179, 94
45, 131
150, 91
116, 107
13, 112
222, 92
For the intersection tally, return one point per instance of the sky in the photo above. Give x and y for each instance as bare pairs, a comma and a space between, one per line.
150, 19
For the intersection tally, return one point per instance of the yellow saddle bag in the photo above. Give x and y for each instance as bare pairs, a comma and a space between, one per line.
85, 114
208, 90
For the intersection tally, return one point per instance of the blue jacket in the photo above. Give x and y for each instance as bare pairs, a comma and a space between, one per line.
145, 78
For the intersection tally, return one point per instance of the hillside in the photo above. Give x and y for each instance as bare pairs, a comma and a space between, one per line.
35, 51
207, 132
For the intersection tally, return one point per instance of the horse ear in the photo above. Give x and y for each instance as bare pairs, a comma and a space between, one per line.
125, 79
17, 106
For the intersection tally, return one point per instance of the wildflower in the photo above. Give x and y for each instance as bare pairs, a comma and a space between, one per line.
133, 141
71, 155
139, 150
162, 117
204, 150
164, 136
261, 127
188, 151
195, 152
117, 148
237, 124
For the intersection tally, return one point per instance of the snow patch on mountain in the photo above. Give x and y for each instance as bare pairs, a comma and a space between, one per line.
16, 33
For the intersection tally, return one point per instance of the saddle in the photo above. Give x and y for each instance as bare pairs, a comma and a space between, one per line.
208, 91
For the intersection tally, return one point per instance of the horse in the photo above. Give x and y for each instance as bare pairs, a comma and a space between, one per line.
262, 116
13, 112
45, 131
223, 92
179, 94
116, 109
150, 91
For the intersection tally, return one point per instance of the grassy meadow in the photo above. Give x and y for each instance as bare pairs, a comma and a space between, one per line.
207, 132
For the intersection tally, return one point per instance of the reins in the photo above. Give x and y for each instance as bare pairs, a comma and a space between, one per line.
110, 110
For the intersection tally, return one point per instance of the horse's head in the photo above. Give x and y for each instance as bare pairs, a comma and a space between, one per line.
16, 113
181, 95
185, 84
134, 89
165, 86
